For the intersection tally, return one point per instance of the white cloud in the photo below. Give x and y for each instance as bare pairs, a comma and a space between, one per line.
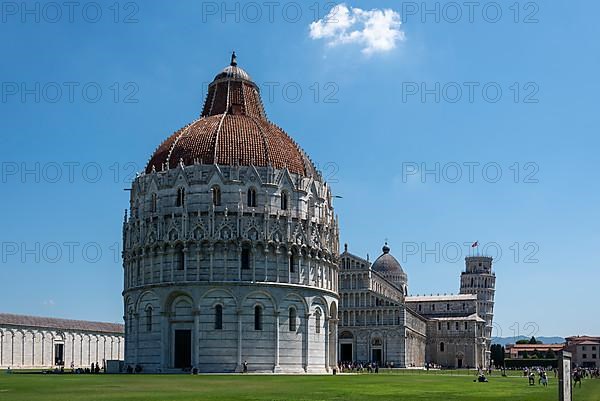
377, 30
49, 302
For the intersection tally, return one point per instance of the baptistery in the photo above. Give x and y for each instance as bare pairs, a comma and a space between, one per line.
230, 246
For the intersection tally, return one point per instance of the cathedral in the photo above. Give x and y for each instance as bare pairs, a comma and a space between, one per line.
380, 323
231, 261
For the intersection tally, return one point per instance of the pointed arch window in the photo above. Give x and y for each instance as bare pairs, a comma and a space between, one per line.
292, 319
292, 263
149, 318
318, 321
180, 197
245, 259
251, 197
258, 317
180, 258
153, 203
442, 347
216, 195
219, 317
284, 200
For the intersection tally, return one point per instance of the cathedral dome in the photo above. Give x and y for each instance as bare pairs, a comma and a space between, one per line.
386, 263
233, 130
390, 268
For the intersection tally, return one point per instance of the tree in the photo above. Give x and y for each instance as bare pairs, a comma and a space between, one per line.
532, 340
497, 354
523, 342
550, 354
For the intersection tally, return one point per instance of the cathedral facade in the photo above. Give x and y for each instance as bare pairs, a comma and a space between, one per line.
380, 323
231, 246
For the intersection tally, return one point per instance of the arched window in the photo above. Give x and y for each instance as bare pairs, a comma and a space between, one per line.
292, 263
258, 317
148, 318
439, 326
180, 259
216, 195
180, 197
292, 319
448, 325
471, 281
447, 306
442, 347
153, 203
318, 321
284, 200
251, 197
466, 325
245, 259
218, 317
420, 308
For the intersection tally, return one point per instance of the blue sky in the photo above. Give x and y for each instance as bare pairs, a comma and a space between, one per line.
368, 116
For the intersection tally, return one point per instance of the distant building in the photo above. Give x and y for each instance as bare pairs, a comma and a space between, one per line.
380, 323
518, 351
585, 350
28, 342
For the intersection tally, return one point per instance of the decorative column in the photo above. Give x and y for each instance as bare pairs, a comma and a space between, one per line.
197, 262
172, 264
253, 262
306, 342
276, 368
326, 318
225, 260
266, 262
161, 264
334, 336
290, 261
211, 253
185, 262
195, 337
239, 258
164, 341
277, 253
239, 342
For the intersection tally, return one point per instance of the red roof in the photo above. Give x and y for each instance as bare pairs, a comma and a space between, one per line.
233, 129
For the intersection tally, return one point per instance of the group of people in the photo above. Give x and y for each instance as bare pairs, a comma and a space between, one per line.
542, 376
582, 373
360, 367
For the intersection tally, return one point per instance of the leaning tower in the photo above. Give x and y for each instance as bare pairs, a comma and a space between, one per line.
479, 279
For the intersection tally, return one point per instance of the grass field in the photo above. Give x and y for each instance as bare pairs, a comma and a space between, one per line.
402, 387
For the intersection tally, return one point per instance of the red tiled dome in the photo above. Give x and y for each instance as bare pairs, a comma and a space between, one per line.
233, 129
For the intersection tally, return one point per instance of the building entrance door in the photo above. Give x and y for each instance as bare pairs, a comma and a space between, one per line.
183, 349
459, 363
59, 353
376, 356
346, 353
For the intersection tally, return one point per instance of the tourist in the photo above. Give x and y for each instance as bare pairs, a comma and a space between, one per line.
577, 376
544, 379
245, 367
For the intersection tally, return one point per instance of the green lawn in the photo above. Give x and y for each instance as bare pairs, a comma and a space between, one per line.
403, 386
